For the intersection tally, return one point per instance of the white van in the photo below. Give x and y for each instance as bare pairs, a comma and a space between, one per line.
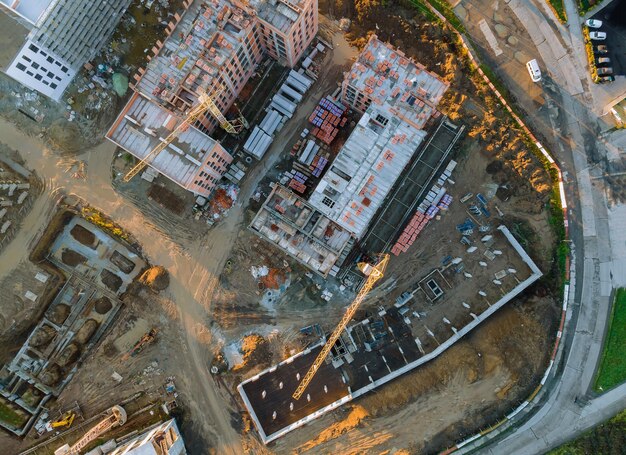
533, 70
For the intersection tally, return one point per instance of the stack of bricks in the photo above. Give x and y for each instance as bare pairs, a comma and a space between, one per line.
410, 233
297, 182
318, 165
327, 118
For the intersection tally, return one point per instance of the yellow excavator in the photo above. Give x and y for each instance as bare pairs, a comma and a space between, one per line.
66, 420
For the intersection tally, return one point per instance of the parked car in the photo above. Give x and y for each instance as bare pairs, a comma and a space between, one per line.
601, 49
599, 36
593, 23
604, 61
603, 79
607, 70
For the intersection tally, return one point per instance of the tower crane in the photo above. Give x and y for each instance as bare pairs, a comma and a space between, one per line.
374, 273
205, 104
116, 417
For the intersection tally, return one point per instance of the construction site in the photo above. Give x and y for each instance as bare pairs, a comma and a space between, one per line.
349, 233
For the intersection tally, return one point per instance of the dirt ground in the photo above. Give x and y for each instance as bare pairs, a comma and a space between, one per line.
499, 365
212, 300
12, 170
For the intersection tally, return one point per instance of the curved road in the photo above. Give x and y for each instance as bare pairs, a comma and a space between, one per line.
571, 128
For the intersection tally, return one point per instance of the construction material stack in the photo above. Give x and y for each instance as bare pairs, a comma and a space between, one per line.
436, 200
327, 118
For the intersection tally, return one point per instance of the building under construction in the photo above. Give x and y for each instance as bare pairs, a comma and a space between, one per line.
99, 270
428, 318
398, 98
214, 47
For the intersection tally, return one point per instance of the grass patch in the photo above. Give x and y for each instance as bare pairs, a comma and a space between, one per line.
612, 370
591, 60
446, 11
10, 416
609, 437
586, 5
559, 9
425, 10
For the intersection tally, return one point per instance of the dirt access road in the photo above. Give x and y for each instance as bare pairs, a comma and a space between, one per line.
194, 265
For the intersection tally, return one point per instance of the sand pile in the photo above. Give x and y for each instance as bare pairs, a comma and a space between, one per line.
156, 278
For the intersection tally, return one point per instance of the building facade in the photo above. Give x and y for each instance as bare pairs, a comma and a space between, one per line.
65, 35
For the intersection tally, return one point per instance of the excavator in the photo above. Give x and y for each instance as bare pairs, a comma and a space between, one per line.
65, 420
145, 340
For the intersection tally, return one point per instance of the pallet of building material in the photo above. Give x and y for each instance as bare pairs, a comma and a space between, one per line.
297, 186
299, 167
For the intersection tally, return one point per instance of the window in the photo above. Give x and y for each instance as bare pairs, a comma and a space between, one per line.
382, 119
50, 74
38, 77
30, 73
53, 85
26, 58
35, 65
33, 48
328, 202
20, 66
50, 60
45, 82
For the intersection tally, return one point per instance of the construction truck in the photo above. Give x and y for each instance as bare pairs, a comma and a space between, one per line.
116, 416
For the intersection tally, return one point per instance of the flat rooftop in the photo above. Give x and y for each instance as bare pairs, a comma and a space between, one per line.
388, 76
436, 312
281, 14
206, 37
142, 125
299, 229
365, 169
31, 10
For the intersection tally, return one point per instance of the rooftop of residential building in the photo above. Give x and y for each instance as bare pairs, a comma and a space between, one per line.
366, 168
388, 76
205, 38
281, 14
143, 125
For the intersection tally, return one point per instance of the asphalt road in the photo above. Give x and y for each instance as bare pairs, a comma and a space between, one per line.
565, 119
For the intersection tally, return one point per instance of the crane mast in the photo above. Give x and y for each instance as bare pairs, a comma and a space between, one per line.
206, 104
376, 272
116, 417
